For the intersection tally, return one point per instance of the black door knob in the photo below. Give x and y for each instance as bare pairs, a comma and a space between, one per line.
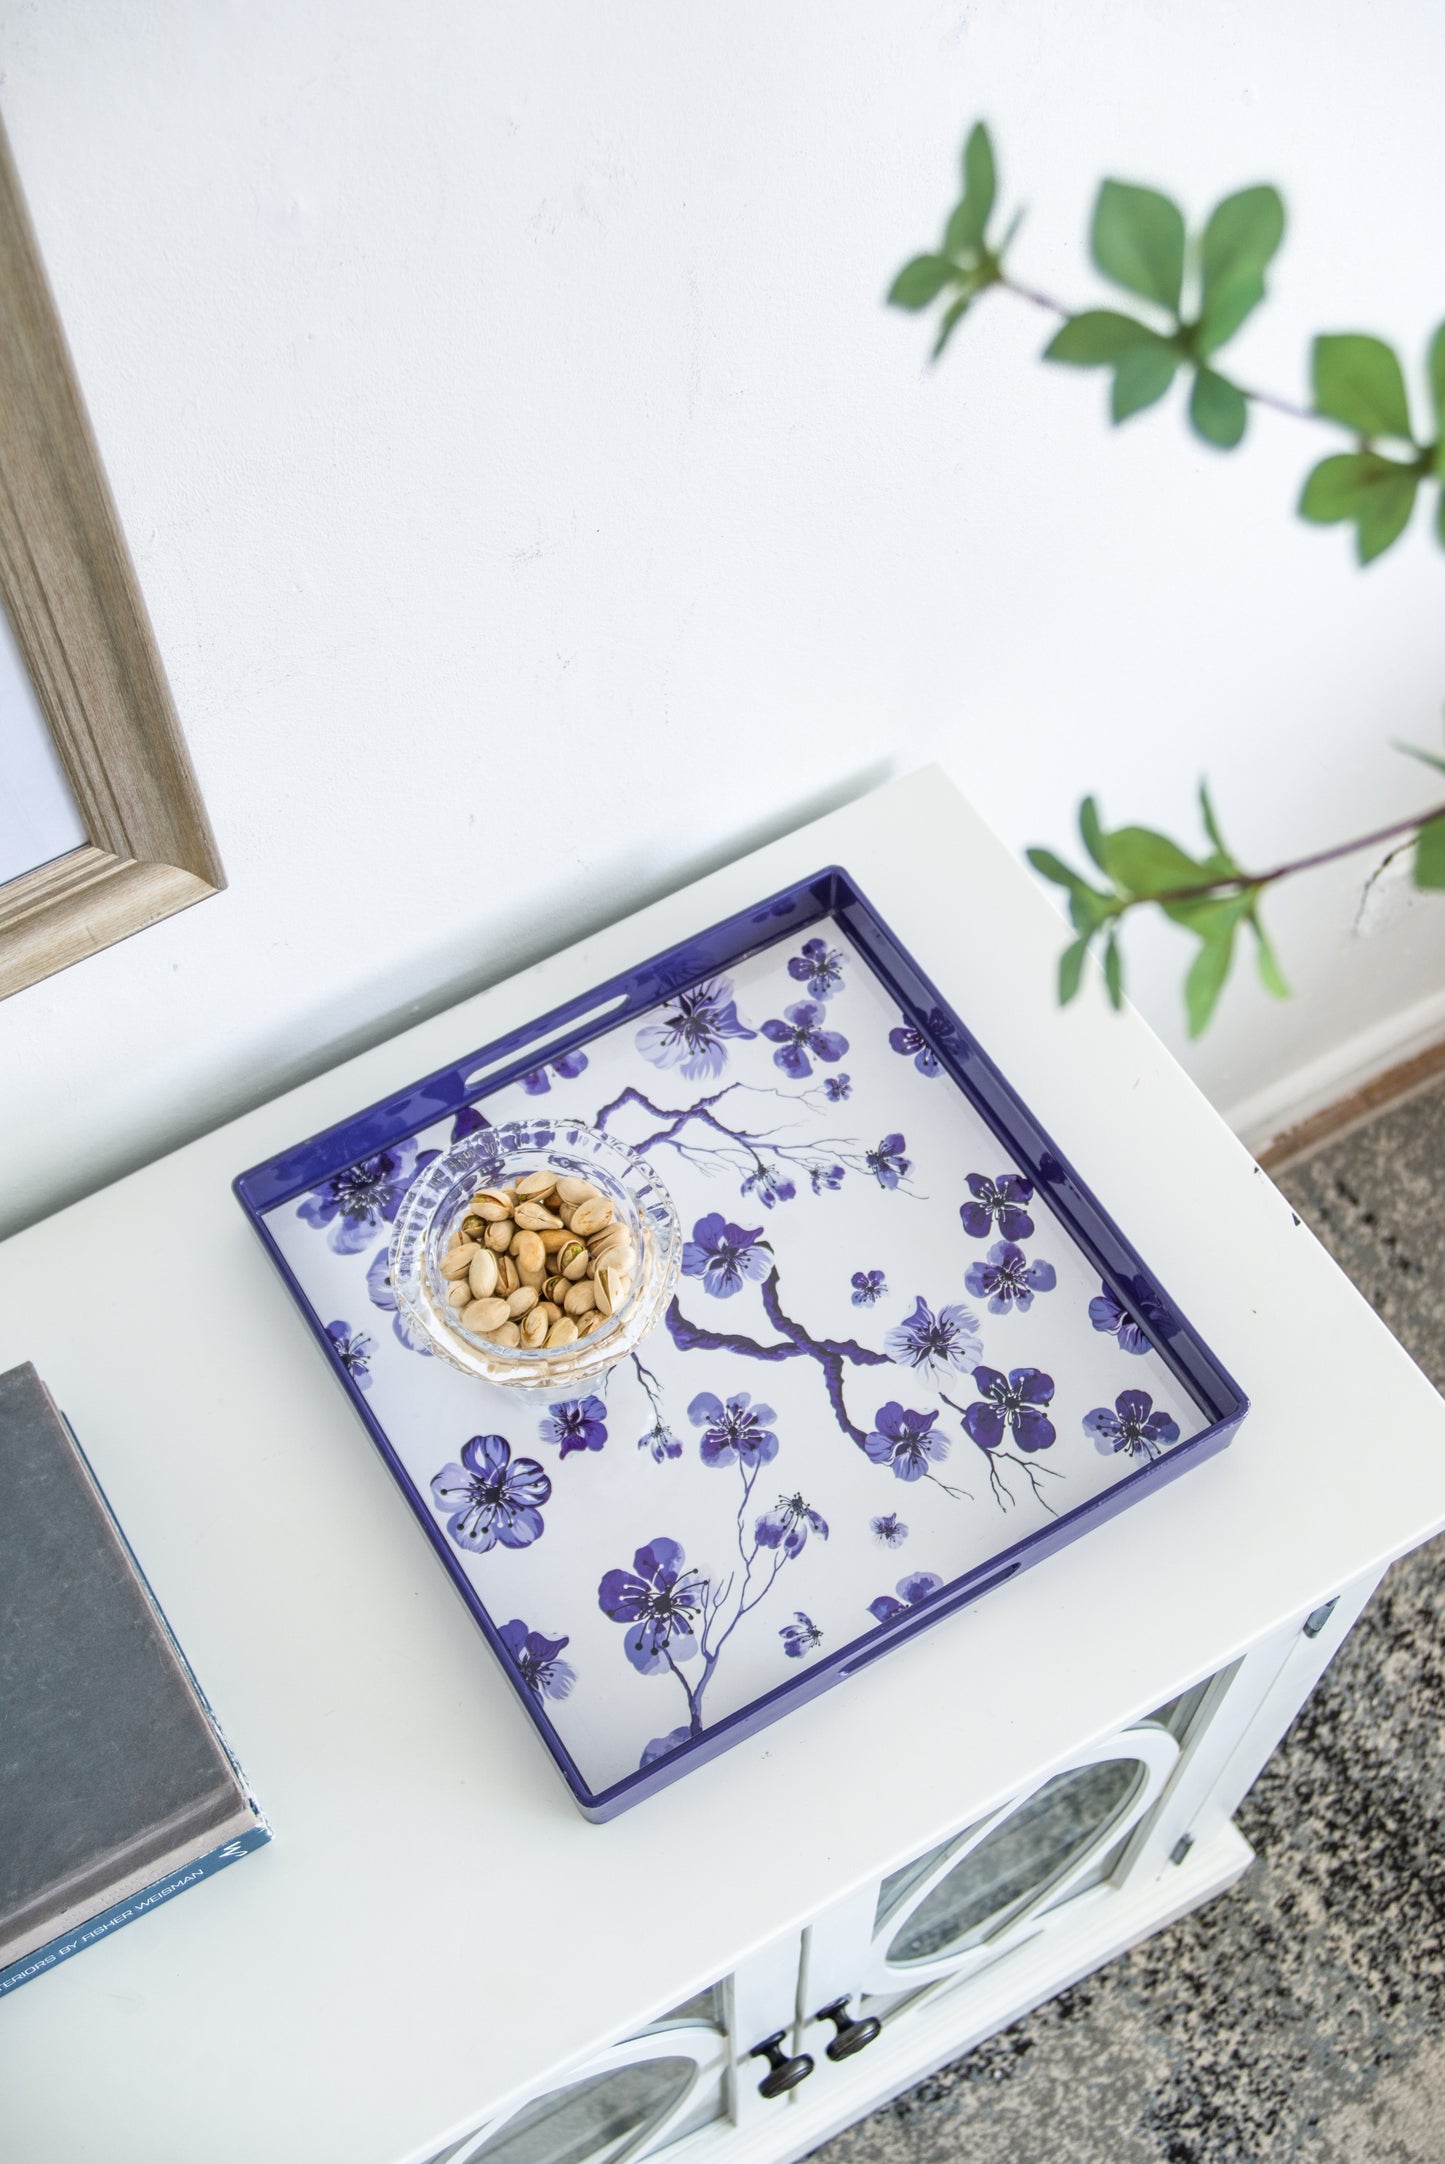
852, 2035
783, 2073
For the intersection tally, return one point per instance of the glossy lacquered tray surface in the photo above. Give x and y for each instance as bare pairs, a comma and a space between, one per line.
910, 1352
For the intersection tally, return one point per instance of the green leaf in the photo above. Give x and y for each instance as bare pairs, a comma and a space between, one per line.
1092, 833
1271, 976
1143, 862
1217, 410
1215, 923
1430, 855
1358, 381
1413, 751
952, 317
969, 221
1377, 493
1435, 365
1242, 235
1211, 825
1071, 968
1052, 867
1099, 338
1140, 380
1138, 242
1114, 973
921, 281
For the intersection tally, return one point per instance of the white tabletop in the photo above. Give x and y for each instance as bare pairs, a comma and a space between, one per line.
434, 1926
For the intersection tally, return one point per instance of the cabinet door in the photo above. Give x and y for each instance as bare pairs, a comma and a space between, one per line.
973, 1896
635, 2097
996, 1883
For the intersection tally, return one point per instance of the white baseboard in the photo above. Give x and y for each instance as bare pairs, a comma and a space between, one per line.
1337, 1075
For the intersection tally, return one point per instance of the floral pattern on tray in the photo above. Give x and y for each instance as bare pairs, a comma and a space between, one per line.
881, 1334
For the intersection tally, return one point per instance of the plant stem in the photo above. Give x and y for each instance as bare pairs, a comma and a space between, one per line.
1065, 315
1245, 881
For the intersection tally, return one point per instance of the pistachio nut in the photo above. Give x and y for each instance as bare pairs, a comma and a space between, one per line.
482, 1273
491, 1204
534, 1218
527, 1252
455, 1260
520, 1301
571, 1191
580, 1297
498, 1235
537, 1183
509, 1335
535, 1325
592, 1215
507, 1277
460, 1294
563, 1332
484, 1316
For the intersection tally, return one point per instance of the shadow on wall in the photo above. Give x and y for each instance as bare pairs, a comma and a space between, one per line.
595, 897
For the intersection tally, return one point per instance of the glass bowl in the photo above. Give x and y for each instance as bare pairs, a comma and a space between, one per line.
440, 1197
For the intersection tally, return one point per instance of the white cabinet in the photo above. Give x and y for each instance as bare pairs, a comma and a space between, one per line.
437, 1956
929, 1956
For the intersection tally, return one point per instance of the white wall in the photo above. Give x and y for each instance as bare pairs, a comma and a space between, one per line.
536, 505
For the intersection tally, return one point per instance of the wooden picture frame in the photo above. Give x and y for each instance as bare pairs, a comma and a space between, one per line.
70, 591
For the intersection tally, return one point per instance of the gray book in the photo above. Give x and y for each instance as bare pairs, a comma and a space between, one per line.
117, 1790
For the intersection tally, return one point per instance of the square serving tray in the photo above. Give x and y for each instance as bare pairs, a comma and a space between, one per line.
910, 1352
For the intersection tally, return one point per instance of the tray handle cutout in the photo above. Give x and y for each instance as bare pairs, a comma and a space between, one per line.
935, 1610
558, 1038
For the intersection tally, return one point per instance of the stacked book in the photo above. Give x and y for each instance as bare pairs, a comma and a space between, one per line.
117, 1789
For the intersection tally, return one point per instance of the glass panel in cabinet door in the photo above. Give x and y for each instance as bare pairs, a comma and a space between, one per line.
590, 2121
1016, 1863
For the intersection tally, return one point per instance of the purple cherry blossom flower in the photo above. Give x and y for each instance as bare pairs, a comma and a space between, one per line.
941, 1344
535, 1659
1008, 1279
738, 1433
913, 1591
353, 1350
1110, 1315
566, 1069
661, 1441
869, 1287
357, 1201
469, 1121
820, 967
837, 1087
889, 1531
663, 1747
770, 1183
659, 1601
1011, 1407
491, 1497
1133, 1426
693, 1031
907, 1039
383, 1295
998, 1202
575, 1423
722, 1255
800, 1636
887, 1163
824, 1178
789, 1525
906, 1441
799, 1033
